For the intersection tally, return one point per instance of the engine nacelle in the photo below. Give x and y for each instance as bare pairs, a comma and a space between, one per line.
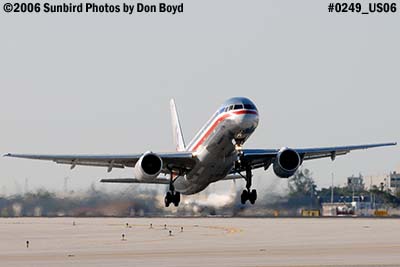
286, 163
148, 166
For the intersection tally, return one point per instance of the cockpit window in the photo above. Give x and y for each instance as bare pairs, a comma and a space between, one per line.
238, 106
249, 106
230, 107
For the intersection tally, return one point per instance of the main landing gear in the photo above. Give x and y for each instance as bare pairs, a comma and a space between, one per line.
247, 194
172, 196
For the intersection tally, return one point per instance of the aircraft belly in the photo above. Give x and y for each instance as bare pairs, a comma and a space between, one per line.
216, 159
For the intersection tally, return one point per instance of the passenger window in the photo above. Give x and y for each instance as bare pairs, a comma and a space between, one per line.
238, 106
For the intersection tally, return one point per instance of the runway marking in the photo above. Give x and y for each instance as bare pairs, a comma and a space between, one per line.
228, 230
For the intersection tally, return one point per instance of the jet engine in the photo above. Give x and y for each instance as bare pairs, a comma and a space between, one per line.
286, 162
148, 166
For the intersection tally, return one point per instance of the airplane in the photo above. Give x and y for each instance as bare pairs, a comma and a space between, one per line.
216, 153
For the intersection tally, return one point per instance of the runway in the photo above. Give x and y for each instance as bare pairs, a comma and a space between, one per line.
203, 242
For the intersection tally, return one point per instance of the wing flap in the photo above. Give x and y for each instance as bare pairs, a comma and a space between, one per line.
74, 163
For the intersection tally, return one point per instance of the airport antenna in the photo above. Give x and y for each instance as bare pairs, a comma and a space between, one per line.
332, 190
26, 187
66, 184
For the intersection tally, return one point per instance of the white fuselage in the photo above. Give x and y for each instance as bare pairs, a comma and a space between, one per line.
214, 148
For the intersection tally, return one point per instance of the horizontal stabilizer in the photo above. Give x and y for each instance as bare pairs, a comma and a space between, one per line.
135, 181
233, 176
159, 180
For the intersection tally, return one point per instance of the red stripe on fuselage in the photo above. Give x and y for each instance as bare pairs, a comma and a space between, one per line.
217, 122
245, 111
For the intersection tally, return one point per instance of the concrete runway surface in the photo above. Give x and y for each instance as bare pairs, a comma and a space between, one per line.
203, 242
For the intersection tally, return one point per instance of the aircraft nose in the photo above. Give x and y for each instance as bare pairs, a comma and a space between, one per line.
248, 121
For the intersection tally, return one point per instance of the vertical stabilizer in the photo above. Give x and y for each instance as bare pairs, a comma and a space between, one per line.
176, 128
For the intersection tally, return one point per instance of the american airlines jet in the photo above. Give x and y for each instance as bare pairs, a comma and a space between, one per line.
216, 153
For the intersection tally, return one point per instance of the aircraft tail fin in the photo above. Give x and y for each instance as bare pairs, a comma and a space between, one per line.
176, 128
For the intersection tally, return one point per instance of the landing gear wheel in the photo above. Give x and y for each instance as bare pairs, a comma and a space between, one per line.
176, 199
247, 194
253, 196
172, 197
244, 197
168, 199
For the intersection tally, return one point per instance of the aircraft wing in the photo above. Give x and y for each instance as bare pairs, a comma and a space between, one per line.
178, 160
264, 157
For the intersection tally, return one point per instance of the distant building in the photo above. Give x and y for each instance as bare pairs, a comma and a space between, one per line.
395, 180
355, 183
17, 209
356, 207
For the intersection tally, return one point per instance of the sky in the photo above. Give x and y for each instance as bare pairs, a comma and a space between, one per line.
101, 83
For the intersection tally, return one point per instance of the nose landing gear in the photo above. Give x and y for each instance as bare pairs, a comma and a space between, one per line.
251, 196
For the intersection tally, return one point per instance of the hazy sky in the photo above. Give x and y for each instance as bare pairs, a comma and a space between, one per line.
85, 83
